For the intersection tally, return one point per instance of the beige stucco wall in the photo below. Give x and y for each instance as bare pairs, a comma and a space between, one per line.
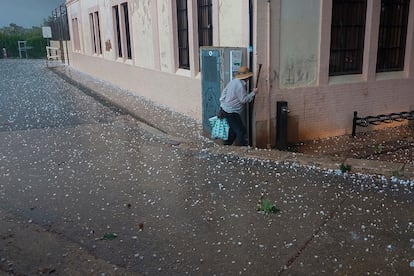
107, 31
296, 69
291, 40
299, 42
166, 39
233, 23
144, 39
180, 93
153, 71
325, 106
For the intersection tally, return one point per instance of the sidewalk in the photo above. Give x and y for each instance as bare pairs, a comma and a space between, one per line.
188, 133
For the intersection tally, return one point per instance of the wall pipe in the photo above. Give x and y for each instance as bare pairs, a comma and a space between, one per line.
269, 136
250, 109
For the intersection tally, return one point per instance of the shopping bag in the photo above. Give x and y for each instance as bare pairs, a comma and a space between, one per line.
219, 128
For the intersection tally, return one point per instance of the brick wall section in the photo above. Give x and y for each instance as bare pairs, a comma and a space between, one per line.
328, 111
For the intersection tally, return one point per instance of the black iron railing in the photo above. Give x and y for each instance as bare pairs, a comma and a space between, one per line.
383, 118
59, 23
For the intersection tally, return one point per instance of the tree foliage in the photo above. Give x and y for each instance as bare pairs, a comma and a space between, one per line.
35, 43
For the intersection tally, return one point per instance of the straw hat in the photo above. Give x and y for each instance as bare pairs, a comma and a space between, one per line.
243, 73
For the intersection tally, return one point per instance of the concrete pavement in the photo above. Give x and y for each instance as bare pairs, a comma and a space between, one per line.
369, 229
197, 199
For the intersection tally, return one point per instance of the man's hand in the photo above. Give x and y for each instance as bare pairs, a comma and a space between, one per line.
256, 91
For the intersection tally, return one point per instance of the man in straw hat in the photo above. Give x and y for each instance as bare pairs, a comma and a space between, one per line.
232, 103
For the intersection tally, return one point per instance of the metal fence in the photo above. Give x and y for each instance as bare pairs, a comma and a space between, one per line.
59, 26
58, 22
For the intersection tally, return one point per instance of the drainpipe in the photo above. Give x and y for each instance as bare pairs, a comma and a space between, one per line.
268, 35
268, 86
250, 34
67, 36
250, 113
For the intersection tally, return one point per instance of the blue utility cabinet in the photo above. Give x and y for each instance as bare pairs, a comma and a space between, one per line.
218, 65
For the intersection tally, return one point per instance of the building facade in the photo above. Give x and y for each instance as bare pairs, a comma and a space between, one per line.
326, 58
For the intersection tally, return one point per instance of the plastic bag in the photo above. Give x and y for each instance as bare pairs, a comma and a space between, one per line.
219, 128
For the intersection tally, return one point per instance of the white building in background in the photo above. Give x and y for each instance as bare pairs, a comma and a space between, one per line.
326, 58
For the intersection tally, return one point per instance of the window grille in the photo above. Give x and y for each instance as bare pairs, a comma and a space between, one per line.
117, 30
122, 30
347, 37
95, 33
98, 30
93, 36
59, 23
127, 30
75, 29
182, 26
205, 22
392, 35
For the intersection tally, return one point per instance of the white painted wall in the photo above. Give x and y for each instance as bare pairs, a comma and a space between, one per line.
165, 35
299, 42
230, 26
145, 41
296, 70
153, 71
296, 62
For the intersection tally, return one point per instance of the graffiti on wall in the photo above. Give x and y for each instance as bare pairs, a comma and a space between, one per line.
299, 72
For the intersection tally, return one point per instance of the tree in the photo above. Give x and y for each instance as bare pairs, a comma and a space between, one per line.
9, 37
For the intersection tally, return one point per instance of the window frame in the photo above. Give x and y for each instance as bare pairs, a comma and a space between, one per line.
183, 34
95, 32
76, 34
392, 58
346, 56
205, 22
122, 30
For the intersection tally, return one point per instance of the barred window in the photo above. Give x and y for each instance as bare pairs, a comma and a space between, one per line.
118, 39
122, 31
95, 33
76, 35
127, 30
347, 37
182, 26
59, 23
392, 35
205, 22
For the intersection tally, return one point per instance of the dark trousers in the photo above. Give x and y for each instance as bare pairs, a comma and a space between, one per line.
237, 130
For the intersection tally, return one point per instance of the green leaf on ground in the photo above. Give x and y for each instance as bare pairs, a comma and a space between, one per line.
109, 236
345, 168
268, 207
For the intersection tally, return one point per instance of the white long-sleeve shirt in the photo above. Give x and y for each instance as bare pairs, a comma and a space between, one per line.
234, 96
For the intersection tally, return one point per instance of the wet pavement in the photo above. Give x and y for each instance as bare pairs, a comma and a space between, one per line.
96, 191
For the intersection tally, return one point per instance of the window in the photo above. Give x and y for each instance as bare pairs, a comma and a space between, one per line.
347, 37
122, 31
182, 26
75, 30
127, 30
392, 35
205, 23
117, 31
95, 33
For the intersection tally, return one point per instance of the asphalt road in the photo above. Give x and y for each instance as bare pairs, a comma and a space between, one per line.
86, 189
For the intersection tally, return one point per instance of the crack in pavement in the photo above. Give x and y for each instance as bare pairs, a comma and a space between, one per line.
328, 218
